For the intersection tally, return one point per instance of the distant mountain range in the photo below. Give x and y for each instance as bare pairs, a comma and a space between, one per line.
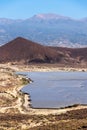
23, 51
47, 29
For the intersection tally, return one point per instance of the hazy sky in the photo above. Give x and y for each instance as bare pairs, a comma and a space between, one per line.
22, 9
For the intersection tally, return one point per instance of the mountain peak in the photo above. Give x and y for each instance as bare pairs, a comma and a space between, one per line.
19, 38
50, 16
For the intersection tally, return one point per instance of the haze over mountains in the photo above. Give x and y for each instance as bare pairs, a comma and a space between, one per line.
47, 29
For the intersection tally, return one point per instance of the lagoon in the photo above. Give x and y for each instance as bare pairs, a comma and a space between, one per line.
56, 89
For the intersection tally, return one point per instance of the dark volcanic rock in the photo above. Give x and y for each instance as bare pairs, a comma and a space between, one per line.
24, 51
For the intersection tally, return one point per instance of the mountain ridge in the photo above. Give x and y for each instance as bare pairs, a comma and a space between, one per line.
50, 16
46, 29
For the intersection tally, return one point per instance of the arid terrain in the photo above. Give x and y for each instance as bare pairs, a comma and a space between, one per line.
16, 111
23, 51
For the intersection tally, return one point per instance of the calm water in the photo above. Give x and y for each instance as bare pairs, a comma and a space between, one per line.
57, 89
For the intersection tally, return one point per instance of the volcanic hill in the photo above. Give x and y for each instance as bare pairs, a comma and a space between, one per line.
24, 51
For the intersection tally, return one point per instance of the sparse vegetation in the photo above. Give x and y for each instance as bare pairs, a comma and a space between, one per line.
14, 115
74, 120
24, 81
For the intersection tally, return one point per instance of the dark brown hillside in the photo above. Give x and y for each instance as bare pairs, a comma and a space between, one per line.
73, 52
73, 55
25, 51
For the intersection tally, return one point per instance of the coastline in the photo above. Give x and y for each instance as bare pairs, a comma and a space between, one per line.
44, 67
48, 111
16, 111
54, 111
22, 100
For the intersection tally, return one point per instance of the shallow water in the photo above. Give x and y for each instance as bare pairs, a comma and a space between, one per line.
57, 89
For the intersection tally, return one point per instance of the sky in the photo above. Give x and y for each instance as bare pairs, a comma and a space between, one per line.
23, 9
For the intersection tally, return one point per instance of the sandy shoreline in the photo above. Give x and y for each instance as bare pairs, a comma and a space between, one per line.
43, 68
48, 111
23, 102
16, 111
